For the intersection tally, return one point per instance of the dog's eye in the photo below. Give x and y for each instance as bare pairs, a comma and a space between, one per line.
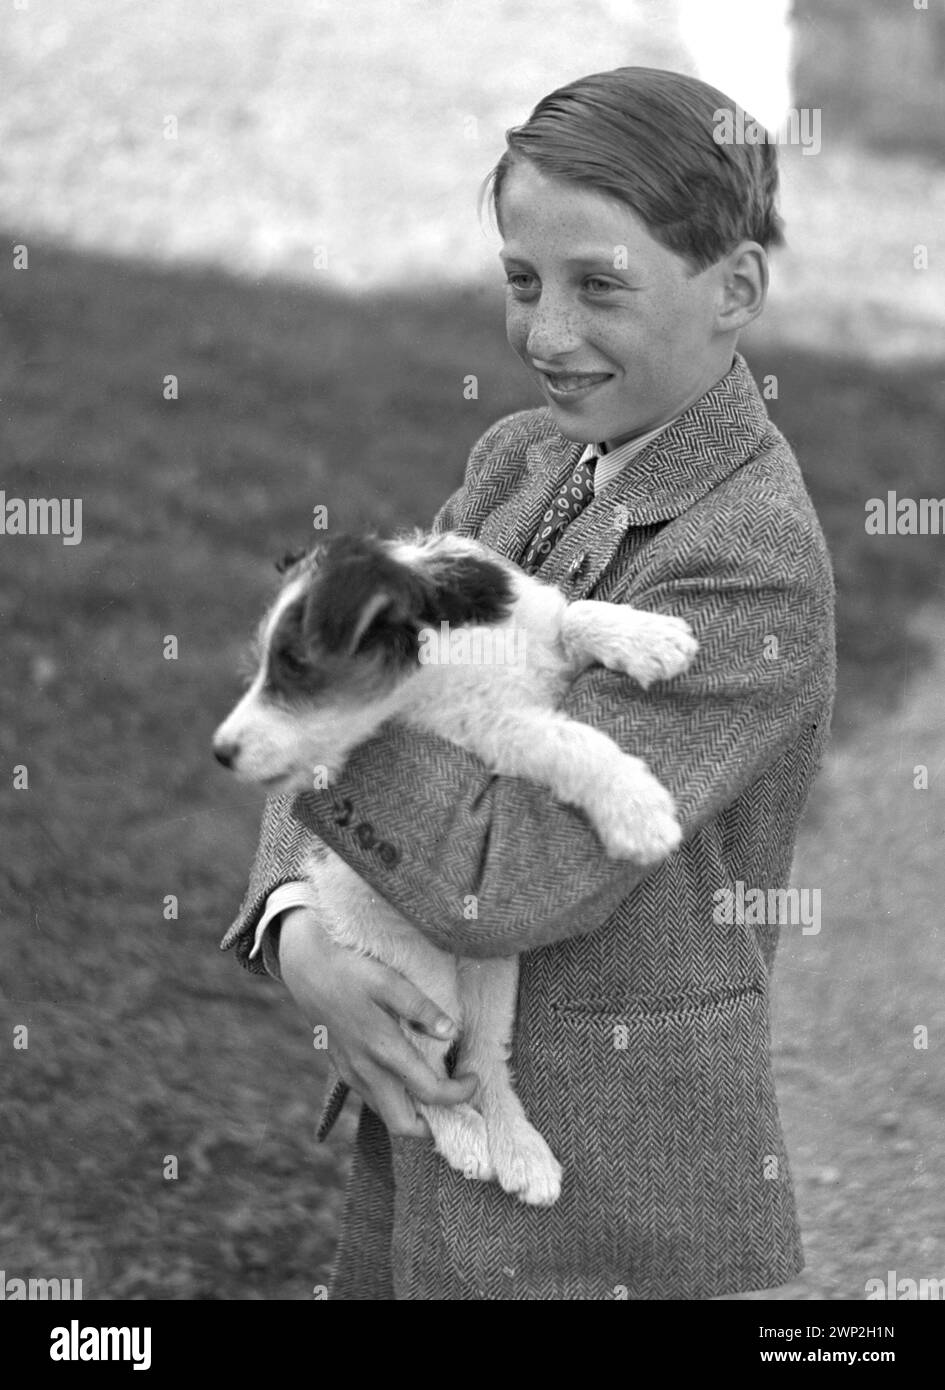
291, 662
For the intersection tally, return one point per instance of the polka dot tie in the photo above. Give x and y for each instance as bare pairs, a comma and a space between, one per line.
570, 502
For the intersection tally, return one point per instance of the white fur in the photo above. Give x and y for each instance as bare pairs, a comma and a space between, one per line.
506, 714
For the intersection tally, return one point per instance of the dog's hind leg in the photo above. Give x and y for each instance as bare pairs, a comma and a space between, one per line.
523, 1162
459, 1131
646, 646
356, 917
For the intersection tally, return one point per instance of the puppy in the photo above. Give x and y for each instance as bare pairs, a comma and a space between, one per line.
445, 635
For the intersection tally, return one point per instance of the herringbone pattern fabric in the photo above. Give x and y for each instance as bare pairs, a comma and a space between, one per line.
642, 1045
570, 502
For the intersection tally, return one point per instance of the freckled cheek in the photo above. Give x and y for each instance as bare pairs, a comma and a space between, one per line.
516, 328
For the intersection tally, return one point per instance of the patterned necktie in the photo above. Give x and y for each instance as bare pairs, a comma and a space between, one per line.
570, 502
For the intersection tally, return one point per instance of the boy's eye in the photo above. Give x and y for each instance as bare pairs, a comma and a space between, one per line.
521, 281
596, 284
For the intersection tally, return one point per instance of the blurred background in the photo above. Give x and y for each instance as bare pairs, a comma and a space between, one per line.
276, 204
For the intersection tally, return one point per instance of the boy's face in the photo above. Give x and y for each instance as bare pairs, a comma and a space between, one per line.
616, 351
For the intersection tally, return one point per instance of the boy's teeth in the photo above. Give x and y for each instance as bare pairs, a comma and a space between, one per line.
573, 383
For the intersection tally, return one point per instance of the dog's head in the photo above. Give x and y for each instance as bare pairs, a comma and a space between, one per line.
334, 650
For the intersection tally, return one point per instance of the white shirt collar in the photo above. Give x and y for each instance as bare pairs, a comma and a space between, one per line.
611, 462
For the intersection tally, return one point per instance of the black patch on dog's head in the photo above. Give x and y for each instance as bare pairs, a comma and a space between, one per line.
363, 599
290, 668
366, 601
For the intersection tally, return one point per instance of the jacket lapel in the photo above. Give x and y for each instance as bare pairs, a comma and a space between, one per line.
511, 526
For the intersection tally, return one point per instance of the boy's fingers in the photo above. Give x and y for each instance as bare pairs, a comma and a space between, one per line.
402, 1063
396, 1109
400, 997
426, 1086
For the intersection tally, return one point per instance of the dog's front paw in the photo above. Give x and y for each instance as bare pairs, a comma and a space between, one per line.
525, 1166
663, 647
636, 816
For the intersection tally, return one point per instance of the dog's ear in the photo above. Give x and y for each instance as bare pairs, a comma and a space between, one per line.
380, 605
470, 589
290, 558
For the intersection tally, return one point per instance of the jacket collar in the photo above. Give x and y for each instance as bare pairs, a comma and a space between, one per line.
696, 452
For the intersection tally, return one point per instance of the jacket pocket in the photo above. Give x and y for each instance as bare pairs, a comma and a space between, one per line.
663, 1115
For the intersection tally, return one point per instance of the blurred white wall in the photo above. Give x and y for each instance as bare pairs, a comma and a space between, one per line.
744, 48
363, 127
343, 142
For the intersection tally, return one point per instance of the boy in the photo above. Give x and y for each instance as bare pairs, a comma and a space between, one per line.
635, 253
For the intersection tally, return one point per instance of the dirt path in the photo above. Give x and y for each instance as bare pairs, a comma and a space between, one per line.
863, 1106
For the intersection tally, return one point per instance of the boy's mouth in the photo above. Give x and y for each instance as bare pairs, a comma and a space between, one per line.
572, 386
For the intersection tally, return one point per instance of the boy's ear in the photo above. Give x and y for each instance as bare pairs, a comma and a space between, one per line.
744, 286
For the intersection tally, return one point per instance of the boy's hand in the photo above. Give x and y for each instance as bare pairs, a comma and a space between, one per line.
359, 1001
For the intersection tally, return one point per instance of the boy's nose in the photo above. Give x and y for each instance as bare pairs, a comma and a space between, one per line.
552, 335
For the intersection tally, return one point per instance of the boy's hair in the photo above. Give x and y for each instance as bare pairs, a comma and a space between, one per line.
646, 137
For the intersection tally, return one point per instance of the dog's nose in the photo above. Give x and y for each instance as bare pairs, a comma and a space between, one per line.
225, 753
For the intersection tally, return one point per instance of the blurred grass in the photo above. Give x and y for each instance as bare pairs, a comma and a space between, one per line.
143, 1041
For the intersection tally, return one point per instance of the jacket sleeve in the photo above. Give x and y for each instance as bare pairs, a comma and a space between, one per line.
285, 842
489, 865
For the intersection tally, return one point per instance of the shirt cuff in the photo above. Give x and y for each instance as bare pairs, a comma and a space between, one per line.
280, 900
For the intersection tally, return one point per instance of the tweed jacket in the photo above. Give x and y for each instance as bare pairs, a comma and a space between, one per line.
642, 1045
